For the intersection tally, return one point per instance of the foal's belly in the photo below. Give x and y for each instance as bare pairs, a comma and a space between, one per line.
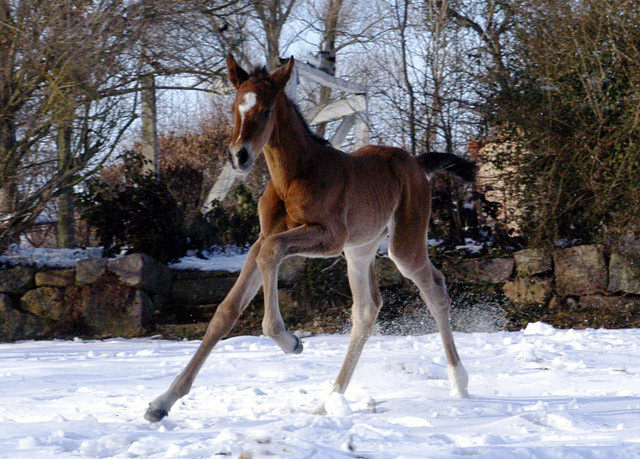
366, 229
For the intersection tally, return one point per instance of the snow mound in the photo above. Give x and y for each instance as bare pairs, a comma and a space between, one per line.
337, 405
539, 328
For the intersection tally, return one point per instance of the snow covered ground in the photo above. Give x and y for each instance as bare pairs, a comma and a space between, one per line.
230, 260
537, 393
54, 258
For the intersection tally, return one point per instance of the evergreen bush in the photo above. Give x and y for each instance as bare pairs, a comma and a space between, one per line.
139, 214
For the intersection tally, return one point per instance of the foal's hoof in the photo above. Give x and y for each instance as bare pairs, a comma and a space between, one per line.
298, 347
154, 414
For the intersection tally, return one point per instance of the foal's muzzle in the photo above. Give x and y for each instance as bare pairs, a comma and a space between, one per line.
239, 160
243, 159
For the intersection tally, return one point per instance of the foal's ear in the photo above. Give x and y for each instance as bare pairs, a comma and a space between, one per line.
237, 75
281, 77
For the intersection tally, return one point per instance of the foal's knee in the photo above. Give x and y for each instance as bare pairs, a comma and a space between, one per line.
270, 253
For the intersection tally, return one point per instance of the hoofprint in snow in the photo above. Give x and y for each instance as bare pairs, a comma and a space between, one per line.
537, 393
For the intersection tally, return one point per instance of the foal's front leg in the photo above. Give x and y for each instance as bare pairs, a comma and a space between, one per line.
227, 313
306, 239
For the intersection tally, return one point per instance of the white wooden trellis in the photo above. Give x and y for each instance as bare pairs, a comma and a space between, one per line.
351, 109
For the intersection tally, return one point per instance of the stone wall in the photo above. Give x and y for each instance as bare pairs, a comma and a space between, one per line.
130, 296
584, 276
97, 298
136, 295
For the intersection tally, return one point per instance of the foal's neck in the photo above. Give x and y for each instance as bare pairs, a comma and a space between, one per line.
290, 146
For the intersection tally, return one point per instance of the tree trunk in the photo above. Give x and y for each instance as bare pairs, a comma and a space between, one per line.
272, 15
328, 52
273, 47
149, 127
65, 228
403, 24
8, 182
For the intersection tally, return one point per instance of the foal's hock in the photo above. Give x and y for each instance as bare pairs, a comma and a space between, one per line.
321, 202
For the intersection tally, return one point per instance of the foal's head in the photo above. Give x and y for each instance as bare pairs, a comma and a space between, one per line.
253, 110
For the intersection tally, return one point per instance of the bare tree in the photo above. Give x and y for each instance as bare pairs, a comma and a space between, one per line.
61, 60
272, 15
71, 73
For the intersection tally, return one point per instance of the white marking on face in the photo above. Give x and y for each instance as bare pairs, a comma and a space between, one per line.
248, 102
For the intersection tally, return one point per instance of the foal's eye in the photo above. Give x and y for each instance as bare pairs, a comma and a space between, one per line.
266, 113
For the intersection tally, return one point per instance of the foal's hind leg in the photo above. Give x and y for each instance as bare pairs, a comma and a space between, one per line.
413, 263
433, 291
366, 304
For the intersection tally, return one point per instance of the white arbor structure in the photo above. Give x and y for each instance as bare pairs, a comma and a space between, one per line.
350, 109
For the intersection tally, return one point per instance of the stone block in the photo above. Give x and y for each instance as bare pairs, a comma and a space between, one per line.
191, 313
480, 270
5, 301
89, 270
528, 290
16, 280
555, 303
203, 290
142, 272
192, 274
113, 309
580, 270
608, 302
46, 303
55, 278
15, 324
387, 273
532, 261
161, 303
624, 274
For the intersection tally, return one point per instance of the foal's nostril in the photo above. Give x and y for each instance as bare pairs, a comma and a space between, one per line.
243, 157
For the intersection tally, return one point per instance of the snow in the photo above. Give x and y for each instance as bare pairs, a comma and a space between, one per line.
471, 245
232, 262
541, 392
53, 258
229, 258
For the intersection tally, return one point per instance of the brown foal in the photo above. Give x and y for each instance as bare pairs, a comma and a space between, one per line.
321, 202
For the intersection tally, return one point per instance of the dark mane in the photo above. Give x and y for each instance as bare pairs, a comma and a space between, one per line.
261, 73
316, 138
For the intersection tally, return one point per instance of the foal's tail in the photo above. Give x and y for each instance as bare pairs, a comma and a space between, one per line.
447, 162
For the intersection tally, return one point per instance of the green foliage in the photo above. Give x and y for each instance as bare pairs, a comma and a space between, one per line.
573, 108
237, 225
139, 213
457, 215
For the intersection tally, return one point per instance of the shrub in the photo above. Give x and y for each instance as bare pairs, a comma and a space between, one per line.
139, 213
236, 225
574, 107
